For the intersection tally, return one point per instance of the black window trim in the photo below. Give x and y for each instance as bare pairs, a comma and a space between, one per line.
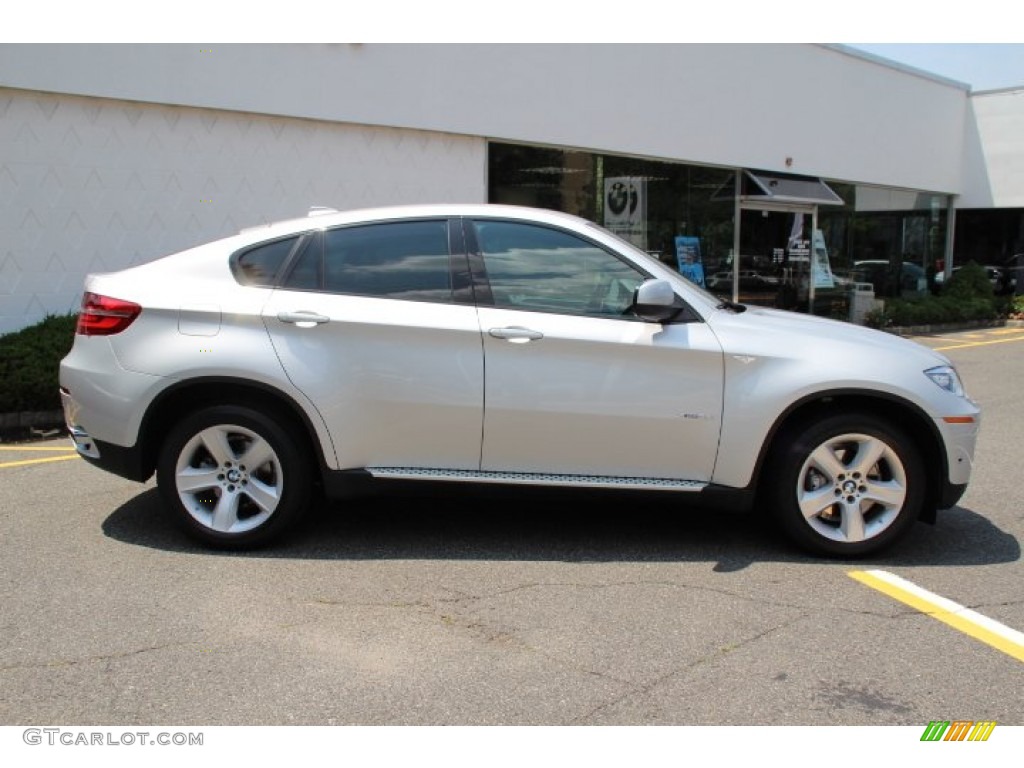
458, 260
314, 239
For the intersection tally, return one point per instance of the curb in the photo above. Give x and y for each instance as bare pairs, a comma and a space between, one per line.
31, 425
26, 419
925, 330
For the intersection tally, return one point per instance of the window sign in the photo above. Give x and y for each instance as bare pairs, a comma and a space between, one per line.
625, 208
798, 247
821, 270
691, 266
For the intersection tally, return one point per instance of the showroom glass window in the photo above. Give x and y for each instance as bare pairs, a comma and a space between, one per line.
398, 260
892, 239
650, 203
547, 270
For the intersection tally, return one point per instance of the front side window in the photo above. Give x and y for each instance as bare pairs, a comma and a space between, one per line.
542, 269
395, 260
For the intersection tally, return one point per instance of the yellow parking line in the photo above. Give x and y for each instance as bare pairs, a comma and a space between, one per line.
924, 339
1005, 331
977, 343
37, 461
64, 448
988, 631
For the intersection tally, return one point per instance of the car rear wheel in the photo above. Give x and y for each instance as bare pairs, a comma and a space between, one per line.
846, 486
233, 477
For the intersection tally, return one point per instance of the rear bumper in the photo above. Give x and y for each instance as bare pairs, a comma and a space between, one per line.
117, 459
100, 397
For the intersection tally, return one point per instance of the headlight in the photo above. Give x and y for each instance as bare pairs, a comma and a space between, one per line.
945, 376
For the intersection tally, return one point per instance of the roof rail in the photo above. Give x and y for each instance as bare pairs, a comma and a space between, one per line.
320, 210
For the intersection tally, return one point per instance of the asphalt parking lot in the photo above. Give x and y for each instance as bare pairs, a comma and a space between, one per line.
498, 612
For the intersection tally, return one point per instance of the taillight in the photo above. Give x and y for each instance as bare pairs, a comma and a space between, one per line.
103, 315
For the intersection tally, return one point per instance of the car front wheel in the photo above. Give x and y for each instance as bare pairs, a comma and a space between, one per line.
233, 477
847, 486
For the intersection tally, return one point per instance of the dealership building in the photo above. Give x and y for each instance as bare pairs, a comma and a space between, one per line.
793, 175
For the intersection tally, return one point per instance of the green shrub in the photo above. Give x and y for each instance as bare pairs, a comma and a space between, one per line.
969, 282
933, 310
1015, 307
29, 363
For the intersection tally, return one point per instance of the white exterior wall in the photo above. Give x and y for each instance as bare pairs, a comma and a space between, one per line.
836, 114
93, 185
994, 151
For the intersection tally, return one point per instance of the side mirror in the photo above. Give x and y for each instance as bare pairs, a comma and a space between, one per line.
655, 301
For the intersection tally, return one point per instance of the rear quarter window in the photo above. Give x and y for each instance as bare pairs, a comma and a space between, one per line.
260, 264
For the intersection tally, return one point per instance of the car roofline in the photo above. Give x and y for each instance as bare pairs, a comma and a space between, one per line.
321, 218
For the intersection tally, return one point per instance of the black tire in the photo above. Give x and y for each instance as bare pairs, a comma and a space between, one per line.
215, 495
859, 480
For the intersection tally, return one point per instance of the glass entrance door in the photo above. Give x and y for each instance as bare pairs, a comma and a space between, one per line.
773, 268
783, 263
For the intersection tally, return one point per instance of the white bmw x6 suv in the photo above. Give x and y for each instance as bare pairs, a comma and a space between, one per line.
497, 344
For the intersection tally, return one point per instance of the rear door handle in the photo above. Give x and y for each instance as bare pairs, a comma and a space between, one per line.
516, 334
302, 318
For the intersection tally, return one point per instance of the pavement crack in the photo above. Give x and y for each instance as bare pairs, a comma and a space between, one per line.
650, 685
627, 583
58, 663
444, 610
902, 611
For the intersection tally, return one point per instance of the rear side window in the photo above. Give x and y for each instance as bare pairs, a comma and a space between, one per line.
396, 260
260, 265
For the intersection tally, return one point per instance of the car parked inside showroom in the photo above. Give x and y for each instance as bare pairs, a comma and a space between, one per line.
749, 280
887, 279
502, 345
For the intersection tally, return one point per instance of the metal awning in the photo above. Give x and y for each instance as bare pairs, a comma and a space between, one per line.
784, 188
788, 188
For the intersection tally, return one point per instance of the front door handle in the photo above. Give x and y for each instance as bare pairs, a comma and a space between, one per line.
303, 318
515, 334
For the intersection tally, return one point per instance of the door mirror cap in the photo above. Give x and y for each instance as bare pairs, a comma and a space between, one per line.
655, 301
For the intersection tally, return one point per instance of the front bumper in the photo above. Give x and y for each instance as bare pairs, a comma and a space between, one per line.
960, 440
959, 437
951, 494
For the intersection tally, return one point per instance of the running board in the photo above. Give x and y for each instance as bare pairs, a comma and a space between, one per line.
535, 478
